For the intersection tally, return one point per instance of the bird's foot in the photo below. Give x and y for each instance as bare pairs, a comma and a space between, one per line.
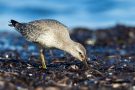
44, 67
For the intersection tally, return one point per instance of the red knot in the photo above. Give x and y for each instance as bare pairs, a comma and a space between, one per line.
50, 33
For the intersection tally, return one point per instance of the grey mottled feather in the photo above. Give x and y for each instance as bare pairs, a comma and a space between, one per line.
33, 29
50, 33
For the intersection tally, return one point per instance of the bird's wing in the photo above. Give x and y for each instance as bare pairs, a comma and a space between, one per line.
30, 32
49, 24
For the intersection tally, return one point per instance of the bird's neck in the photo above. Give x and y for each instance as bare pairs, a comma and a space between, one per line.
68, 46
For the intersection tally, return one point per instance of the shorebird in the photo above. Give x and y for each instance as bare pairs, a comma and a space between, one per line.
50, 33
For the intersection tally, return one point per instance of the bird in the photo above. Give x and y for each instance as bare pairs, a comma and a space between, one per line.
50, 33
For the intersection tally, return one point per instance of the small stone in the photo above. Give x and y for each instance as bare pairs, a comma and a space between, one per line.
133, 88
91, 41
51, 88
116, 85
83, 88
73, 68
89, 75
30, 74
1, 83
6, 56
39, 88
20, 88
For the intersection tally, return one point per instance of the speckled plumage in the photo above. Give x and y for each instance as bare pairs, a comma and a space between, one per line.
50, 33
44, 31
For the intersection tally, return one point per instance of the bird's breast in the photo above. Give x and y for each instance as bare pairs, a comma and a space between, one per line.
49, 40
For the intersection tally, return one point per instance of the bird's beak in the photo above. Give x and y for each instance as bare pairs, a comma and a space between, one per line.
85, 62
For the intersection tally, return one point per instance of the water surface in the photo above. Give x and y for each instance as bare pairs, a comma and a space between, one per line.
73, 13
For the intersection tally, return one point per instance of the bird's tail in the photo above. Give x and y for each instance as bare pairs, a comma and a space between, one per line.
13, 23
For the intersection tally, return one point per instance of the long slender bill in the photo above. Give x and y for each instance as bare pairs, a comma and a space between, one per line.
85, 63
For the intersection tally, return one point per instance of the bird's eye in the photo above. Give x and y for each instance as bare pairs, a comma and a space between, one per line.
80, 54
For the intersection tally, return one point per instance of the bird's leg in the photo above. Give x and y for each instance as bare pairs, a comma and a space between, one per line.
42, 58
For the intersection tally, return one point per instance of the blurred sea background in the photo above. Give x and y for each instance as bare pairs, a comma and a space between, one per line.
73, 13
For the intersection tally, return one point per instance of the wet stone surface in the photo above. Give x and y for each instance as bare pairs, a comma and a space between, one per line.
111, 60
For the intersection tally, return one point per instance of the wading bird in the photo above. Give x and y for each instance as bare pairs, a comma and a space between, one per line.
50, 33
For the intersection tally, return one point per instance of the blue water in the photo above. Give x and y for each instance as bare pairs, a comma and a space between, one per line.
73, 13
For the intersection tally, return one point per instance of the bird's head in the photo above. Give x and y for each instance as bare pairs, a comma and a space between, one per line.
79, 52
